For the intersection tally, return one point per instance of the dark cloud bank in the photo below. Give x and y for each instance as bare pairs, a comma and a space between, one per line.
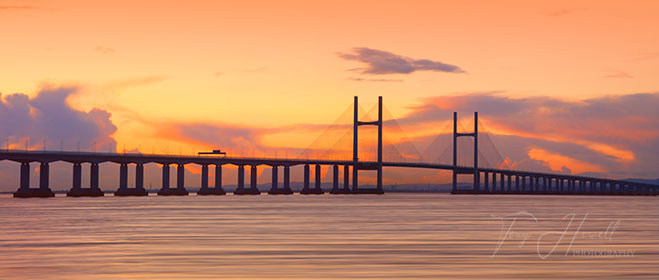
382, 62
47, 116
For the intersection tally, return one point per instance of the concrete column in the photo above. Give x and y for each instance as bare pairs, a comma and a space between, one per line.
252, 175
355, 147
551, 186
44, 175
180, 176
93, 176
204, 176
25, 176
346, 177
123, 176
287, 177
317, 174
241, 177
509, 183
524, 186
494, 181
455, 151
306, 177
335, 181
77, 176
275, 177
477, 177
139, 176
165, 176
517, 183
218, 176
503, 182
379, 172
486, 181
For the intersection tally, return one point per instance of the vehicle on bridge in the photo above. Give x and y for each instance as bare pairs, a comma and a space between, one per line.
214, 152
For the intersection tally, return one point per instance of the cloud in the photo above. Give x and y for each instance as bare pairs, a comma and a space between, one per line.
373, 80
16, 7
645, 56
563, 163
558, 13
122, 84
233, 139
254, 70
381, 62
48, 117
615, 133
618, 74
105, 50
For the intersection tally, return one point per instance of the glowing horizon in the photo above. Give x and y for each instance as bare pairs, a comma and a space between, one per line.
570, 81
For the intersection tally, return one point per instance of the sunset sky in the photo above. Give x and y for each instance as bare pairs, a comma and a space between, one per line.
566, 86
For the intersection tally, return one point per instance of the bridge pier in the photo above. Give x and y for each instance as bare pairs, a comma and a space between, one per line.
531, 186
275, 181
24, 189
78, 190
494, 182
551, 186
486, 181
346, 181
509, 183
204, 176
166, 190
317, 189
502, 182
536, 183
205, 189
581, 186
123, 181
253, 189
335, 177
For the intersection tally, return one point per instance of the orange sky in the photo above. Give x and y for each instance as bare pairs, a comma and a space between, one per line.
268, 64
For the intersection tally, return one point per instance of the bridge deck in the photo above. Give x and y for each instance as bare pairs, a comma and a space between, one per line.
96, 158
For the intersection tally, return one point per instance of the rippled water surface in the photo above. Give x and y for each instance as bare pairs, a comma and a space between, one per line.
394, 236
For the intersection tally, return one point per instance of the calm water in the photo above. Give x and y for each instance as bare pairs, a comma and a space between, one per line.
394, 236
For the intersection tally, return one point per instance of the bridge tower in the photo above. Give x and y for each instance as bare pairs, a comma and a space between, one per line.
356, 166
457, 170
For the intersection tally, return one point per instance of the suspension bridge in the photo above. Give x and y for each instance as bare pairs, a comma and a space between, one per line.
457, 152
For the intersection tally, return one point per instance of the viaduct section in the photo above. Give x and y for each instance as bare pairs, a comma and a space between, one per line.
485, 180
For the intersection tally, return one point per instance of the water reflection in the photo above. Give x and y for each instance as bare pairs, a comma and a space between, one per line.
394, 236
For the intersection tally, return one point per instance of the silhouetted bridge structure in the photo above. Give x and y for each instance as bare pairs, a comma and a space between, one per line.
485, 180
